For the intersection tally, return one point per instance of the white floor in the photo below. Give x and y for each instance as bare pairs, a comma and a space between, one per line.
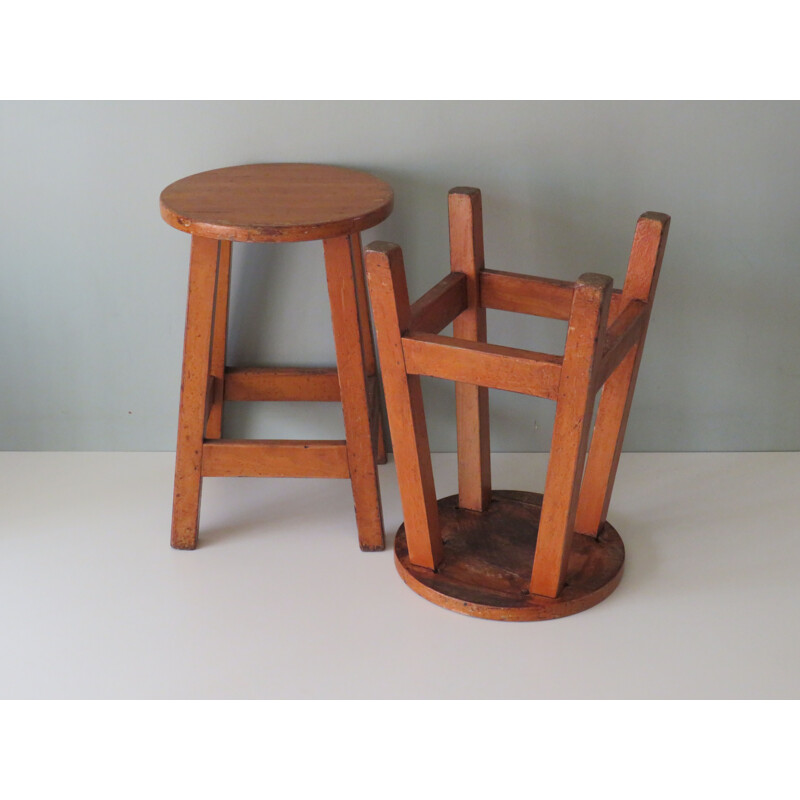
279, 602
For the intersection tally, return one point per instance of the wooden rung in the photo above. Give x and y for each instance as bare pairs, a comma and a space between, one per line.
275, 458
489, 365
529, 294
439, 306
526, 294
320, 384
622, 334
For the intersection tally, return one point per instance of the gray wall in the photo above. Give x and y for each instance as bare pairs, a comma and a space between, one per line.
94, 282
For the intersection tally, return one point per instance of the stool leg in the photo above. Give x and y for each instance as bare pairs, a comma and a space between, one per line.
194, 391
340, 263
472, 402
644, 266
368, 342
220, 336
412, 455
574, 405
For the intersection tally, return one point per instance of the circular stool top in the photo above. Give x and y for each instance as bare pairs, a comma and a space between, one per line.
276, 202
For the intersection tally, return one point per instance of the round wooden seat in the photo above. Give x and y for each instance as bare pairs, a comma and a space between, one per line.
276, 202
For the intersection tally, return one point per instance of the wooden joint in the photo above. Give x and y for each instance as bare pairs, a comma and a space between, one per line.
440, 305
617, 304
315, 384
493, 366
275, 458
624, 333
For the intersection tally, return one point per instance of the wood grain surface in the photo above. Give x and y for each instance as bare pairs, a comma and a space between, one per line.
388, 292
571, 428
465, 216
491, 365
275, 458
486, 564
440, 305
341, 262
276, 202
641, 280
195, 396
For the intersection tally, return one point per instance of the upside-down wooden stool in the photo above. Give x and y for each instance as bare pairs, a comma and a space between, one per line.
507, 554
277, 203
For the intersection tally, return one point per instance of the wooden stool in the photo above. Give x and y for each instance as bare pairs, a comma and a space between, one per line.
511, 555
277, 203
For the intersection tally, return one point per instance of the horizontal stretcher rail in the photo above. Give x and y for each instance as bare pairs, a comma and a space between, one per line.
319, 384
526, 294
440, 305
489, 365
529, 294
275, 458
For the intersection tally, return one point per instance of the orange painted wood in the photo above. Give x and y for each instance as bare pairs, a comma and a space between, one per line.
276, 202
483, 561
200, 304
218, 342
276, 458
440, 305
279, 202
486, 568
622, 335
526, 294
488, 365
644, 266
287, 384
606, 447
574, 405
368, 343
340, 264
616, 305
472, 401
290, 384
391, 310
530, 294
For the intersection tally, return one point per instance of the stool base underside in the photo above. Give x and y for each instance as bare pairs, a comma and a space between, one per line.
488, 558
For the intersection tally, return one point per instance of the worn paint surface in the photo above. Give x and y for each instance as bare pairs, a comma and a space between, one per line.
486, 567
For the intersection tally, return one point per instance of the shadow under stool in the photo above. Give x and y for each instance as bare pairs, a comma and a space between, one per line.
511, 555
277, 203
